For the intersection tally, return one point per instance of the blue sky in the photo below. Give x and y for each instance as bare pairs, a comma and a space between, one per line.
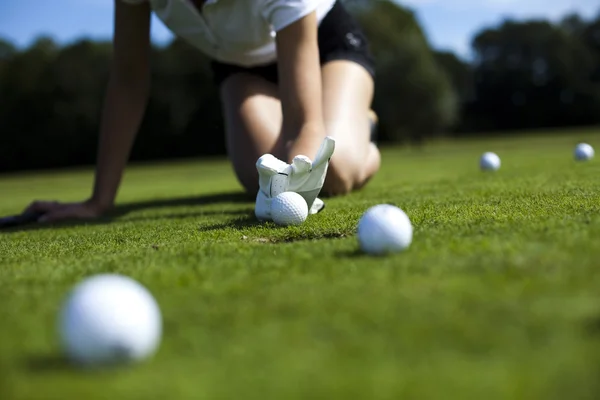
449, 24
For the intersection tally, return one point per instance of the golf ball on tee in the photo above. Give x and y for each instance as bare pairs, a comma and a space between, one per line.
289, 208
489, 161
384, 228
584, 152
110, 319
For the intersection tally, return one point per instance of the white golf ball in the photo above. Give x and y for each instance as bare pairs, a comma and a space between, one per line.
584, 152
489, 161
110, 319
384, 228
289, 208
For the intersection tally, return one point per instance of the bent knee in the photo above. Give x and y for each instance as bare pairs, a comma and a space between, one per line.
248, 178
346, 174
340, 180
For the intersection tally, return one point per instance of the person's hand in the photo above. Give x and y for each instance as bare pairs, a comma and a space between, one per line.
54, 211
303, 176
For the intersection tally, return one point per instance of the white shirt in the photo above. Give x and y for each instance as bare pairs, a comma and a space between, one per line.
238, 32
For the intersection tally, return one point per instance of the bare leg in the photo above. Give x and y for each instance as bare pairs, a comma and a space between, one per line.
347, 95
253, 118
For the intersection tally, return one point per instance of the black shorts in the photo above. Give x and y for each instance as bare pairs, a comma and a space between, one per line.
340, 38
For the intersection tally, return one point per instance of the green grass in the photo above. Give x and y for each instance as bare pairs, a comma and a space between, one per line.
497, 298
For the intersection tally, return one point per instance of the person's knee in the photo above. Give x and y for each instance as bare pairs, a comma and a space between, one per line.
250, 187
341, 178
346, 174
248, 178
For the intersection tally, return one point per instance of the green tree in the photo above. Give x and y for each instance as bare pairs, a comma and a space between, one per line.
414, 97
459, 72
7, 50
573, 24
591, 37
533, 74
78, 75
25, 105
588, 32
184, 116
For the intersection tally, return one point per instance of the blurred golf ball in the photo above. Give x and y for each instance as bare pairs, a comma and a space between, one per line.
383, 229
110, 319
489, 161
583, 152
289, 208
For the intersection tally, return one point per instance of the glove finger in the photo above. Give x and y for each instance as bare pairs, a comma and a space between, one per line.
270, 165
325, 151
317, 206
262, 207
301, 164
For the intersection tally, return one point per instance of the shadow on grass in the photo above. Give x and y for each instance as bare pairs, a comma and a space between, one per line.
247, 221
354, 253
273, 233
592, 326
51, 363
47, 363
183, 215
124, 209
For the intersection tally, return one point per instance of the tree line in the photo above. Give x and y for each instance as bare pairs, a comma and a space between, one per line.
523, 75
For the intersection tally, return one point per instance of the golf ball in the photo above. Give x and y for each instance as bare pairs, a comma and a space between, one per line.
110, 319
289, 208
584, 152
384, 228
489, 161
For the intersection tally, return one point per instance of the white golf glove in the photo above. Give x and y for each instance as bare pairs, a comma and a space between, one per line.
302, 176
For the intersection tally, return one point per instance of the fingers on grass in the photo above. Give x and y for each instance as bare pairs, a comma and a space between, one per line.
42, 206
57, 215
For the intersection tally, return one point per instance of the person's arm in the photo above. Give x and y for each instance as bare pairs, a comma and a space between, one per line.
300, 85
124, 104
126, 98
